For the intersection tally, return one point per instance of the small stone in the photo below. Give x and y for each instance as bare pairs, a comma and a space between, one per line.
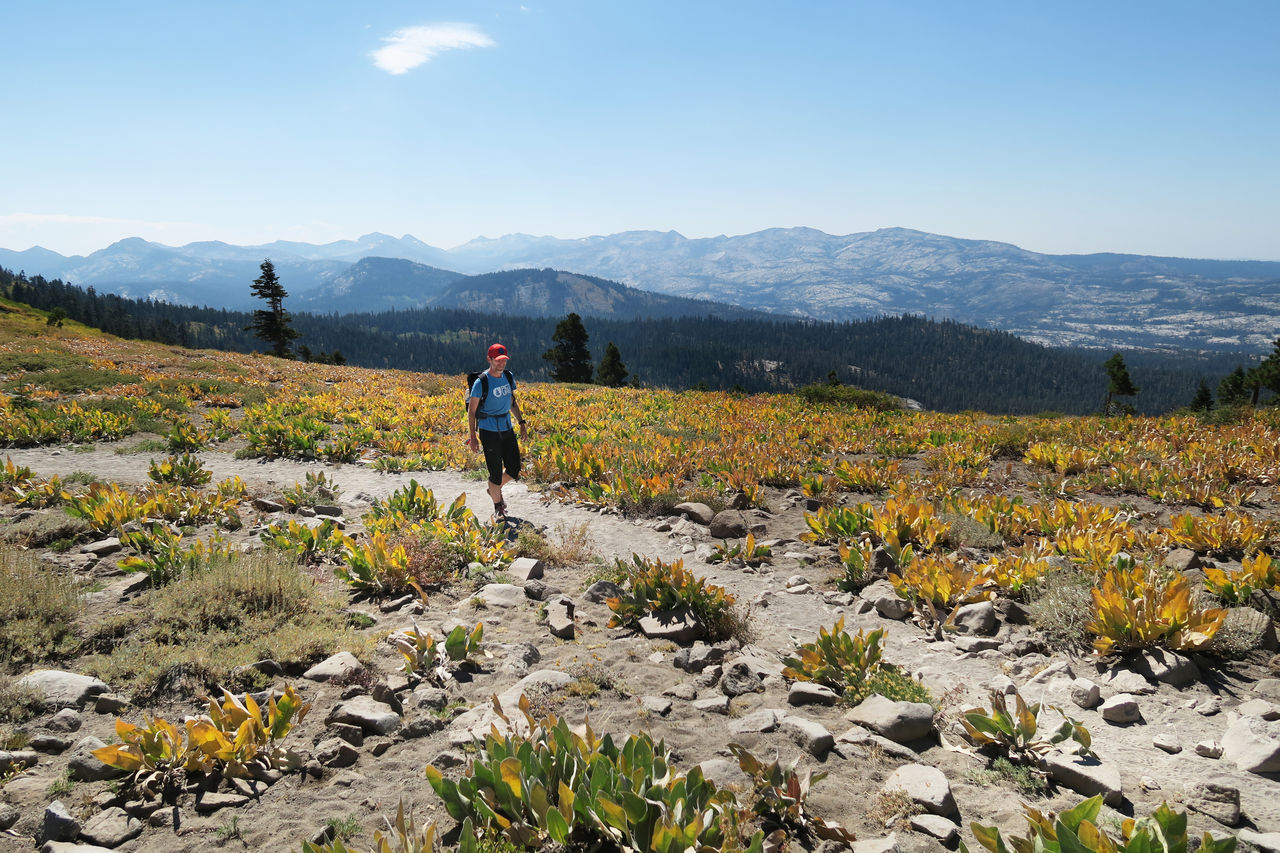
699, 512
66, 720
265, 505
1085, 694
85, 767
449, 758
1167, 742
712, 705
1166, 667
561, 625
936, 826
337, 667
1209, 749
59, 825
685, 690
8, 816
1258, 708
656, 705
328, 510
764, 720
970, 645
353, 735
886, 600
601, 591
976, 618
729, 524
739, 679
677, 626
1267, 842
111, 827
102, 547
1121, 710
525, 569
1182, 560
812, 736
370, 715
499, 595
901, 722
1216, 798
49, 744
336, 752
1086, 776
212, 801
926, 786
110, 703
698, 657
1128, 681
888, 844
811, 693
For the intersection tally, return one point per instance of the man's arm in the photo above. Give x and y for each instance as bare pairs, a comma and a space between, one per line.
515, 408
472, 406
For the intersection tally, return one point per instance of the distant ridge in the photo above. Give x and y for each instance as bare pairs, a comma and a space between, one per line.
1102, 300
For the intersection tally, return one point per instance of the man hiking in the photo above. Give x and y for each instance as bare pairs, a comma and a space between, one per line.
491, 404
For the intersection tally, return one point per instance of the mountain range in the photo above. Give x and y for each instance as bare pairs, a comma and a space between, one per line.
1100, 300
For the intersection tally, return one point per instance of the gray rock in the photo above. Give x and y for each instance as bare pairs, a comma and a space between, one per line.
810, 693
11, 758
353, 735
677, 626
1167, 741
601, 591
724, 773
499, 595
102, 547
698, 657
685, 690
976, 644
540, 680
1128, 681
111, 827
764, 720
1267, 688
1258, 708
1086, 776
936, 826
1252, 744
430, 698
659, 705
49, 744
926, 786
525, 569
337, 667
328, 510
976, 618
886, 600
729, 524
84, 767
1267, 842
1209, 749
1012, 612
449, 758
336, 752
888, 844
901, 722
699, 512
810, 735
58, 824
110, 703
560, 623
211, 801
66, 720
372, 716
1218, 799
1084, 693
1182, 560
712, 705
763, 663
739, 680
8, 816
63, 689
1167, 667
71, 847
1121, 709
265, 505
857, 736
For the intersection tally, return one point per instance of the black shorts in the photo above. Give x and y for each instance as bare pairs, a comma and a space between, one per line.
501, 452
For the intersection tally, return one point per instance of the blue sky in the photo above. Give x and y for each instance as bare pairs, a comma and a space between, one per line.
1147, 127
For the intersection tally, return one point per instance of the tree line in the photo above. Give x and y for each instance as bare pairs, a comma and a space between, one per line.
945, 365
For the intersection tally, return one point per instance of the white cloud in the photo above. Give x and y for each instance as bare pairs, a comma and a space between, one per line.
413, 46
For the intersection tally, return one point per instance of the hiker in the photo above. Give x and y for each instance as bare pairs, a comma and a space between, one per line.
491, 404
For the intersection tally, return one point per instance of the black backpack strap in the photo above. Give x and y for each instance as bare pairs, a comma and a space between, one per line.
484, 390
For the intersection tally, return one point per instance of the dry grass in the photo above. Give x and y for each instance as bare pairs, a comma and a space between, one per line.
46, 528
1061, 605
571, 546
190, 635
39, 606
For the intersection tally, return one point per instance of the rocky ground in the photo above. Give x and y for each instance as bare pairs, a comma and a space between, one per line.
1204, 737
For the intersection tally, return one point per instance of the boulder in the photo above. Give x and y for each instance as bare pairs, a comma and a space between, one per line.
694, 511
1252, 744
926, 786
976, 618
739, 679
810, 693
1166, 667
372, 716
111, 827
339, 667
886, 600
810, 735
901, 722
601, 591
63, 689
1121, 709
729, 524
1086, 776
1217, 798
525, 569
677, 626
85, 767
499, 595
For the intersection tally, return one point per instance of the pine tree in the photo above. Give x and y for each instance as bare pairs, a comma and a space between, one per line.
1119, 384
1203, 400
612, 372
1233, 390
272, 323
570, 360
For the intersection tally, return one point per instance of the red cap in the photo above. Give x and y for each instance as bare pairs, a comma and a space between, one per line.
498, 350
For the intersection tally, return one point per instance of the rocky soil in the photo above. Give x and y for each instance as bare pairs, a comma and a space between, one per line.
1202, 734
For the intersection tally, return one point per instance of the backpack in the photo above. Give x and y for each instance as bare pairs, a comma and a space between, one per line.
483, 376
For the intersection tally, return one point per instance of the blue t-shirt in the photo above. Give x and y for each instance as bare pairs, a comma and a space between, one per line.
494, 413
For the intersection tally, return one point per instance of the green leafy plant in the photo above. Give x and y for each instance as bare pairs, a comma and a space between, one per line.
554, 784
655, 586
422, 654
312, 543
747, 551
317, 489
164, 558
779, 797
184, 470
852, 666
1076, 831
1133, 608
1015, 735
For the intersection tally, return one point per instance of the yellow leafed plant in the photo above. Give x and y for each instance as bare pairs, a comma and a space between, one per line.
1135, 609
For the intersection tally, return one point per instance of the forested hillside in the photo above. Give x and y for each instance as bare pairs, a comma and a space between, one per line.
946, 366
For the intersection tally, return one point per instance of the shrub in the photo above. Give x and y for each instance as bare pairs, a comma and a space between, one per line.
654, 586
42, 529
1060, 605
852, 666
847, 396
1134, 608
